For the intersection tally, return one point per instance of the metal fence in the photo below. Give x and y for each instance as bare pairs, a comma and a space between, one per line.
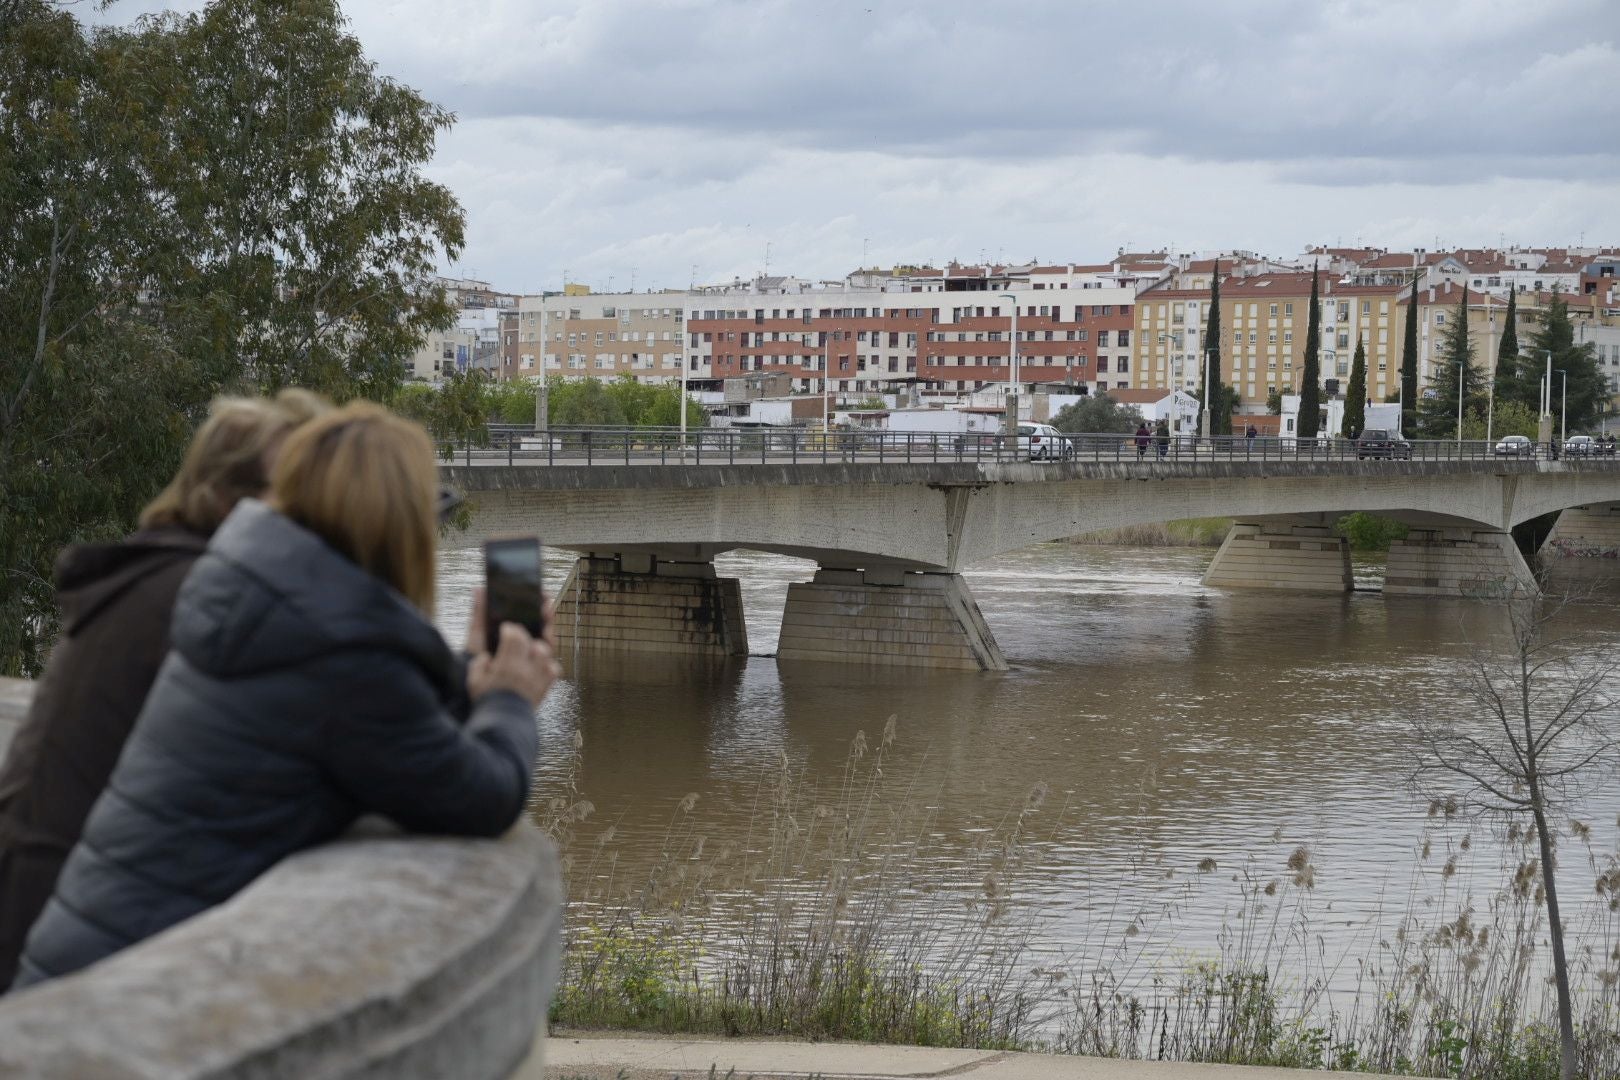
741, 446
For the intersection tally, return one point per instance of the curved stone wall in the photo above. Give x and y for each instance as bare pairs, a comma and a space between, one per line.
378, 955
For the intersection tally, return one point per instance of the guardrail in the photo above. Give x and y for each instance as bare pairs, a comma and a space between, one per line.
741, 446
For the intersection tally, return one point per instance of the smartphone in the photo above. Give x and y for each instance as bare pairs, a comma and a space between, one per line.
511, 587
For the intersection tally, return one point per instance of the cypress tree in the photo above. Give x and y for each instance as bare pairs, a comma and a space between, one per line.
1507, 386
1209, 383
1310, 391
1409, 389
1355, 398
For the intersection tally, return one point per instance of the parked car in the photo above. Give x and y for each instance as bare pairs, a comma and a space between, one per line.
1580, 446
1516, 446
1383, 443
1041, 442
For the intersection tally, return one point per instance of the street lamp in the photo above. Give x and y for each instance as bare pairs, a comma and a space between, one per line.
1012, 368
1462, 369
1563, 419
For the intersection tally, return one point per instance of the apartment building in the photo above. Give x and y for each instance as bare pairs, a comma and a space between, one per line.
602, 335
869, 341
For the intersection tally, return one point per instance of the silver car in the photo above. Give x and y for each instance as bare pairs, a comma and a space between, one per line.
1580, 446
1515, 446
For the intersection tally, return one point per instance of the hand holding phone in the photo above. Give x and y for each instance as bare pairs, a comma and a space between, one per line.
512, 588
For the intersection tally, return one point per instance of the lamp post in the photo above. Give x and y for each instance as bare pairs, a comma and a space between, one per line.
1206, 422
826, 382
1563, 419
1462, 369
1012, 369
685, 364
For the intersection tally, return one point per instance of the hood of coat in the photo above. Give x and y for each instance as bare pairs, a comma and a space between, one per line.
270, 594
91, 576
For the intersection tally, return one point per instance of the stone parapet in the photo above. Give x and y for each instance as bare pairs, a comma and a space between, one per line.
637, 603
1306, 558
888, 616
376, 956
1585, 532
1457, 562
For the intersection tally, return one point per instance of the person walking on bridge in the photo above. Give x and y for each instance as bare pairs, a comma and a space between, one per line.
1143, 438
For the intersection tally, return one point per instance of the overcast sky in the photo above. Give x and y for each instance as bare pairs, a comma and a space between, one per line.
608, 138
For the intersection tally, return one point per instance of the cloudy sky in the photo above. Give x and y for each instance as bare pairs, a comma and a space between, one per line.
654, 142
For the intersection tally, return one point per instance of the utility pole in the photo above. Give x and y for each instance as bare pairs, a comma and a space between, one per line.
1012, 369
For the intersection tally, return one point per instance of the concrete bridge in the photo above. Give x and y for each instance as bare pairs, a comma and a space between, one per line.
891, 538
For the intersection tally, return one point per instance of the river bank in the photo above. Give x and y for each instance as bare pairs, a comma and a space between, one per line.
815, 931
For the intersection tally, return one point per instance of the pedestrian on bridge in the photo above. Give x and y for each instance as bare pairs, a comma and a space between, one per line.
1143, 438
1161, 436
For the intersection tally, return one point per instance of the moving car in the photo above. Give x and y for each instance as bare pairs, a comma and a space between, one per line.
1580, 446
1516, 446
1383, 443
1041, 442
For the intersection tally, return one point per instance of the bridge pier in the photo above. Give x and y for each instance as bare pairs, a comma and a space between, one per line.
1585, 532
644, 603
885, 615
1457, 562
1270, 555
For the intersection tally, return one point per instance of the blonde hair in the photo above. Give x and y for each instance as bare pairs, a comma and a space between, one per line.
365, 481
228, 459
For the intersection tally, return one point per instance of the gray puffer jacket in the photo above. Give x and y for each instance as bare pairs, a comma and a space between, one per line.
300, 693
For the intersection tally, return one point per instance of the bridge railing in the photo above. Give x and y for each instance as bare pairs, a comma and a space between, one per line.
741, 446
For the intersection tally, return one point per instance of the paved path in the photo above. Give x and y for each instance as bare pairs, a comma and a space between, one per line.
595, 1057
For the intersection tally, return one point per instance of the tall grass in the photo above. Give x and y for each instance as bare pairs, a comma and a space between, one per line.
1190, 532
814, 924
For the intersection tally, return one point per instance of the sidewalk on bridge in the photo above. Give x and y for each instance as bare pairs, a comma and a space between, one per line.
592, 1056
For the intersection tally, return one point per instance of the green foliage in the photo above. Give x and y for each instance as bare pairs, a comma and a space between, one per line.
1509, 418
1588, 388
1097, 413
1409, 360
1274, 401
512, 402
223, 201
1310, 380
585, 402
1355, 396
1454, 372
1507, 386
1210, 372
1369, 532
871, 404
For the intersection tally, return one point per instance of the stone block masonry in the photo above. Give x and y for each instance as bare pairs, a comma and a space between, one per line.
1307, 558
1457, 562
639, 603
888, 616
1585, 532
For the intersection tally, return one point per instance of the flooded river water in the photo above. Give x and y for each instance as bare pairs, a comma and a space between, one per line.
1172, 724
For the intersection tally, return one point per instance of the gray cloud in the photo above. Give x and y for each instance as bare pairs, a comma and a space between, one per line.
605, 135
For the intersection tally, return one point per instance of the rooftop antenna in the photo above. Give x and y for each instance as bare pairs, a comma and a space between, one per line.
865, 240
632, 279
767, 258
693, 286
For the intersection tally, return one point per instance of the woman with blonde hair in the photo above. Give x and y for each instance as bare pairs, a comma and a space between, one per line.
305, 686
116, 601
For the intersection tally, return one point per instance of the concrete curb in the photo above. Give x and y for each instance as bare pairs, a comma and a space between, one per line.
577, 1056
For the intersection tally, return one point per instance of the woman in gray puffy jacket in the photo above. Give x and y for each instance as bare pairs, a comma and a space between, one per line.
305, 686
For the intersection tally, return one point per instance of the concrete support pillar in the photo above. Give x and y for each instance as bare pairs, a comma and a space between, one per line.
1585, 532
1457, 562
884, 615
1307, 558
640, 603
